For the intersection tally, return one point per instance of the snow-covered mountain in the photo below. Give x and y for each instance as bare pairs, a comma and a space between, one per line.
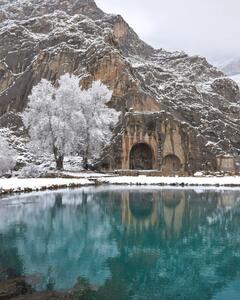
231, 67
44, 39
236, 78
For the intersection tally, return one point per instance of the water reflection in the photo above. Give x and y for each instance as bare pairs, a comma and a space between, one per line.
130, 244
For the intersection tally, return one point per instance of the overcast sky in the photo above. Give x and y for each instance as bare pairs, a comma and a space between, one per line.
210, 28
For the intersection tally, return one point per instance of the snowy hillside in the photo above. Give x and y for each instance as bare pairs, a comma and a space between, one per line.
45, 39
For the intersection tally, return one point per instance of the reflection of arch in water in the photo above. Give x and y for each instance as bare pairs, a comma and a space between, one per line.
141, 157
171, 163
141, 205
139, 210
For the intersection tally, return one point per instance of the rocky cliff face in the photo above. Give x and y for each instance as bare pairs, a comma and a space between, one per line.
44, 39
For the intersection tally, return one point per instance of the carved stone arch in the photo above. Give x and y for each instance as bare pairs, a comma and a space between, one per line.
141, 157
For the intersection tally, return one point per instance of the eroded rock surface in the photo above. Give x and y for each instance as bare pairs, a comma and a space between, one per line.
45, 39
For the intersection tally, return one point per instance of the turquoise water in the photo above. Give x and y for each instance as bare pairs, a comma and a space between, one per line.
128, 244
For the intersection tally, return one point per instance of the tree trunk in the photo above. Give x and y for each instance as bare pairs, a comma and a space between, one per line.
85, 158
58, 158
59, 162
85, 163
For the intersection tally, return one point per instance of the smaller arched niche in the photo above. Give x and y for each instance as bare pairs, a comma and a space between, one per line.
171, 164
141, 157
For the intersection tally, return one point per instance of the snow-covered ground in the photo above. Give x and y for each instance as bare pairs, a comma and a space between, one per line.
186, 181
84, 174
35, 184
38, 184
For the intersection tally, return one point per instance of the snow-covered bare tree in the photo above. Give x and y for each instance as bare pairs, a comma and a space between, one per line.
100, 119
54, 118
7, 157
64, 120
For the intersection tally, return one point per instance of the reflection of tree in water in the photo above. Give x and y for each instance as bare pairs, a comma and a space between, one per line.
67, 233
169, 243
10, 260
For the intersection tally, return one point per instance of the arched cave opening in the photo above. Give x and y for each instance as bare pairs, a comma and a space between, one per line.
141, 157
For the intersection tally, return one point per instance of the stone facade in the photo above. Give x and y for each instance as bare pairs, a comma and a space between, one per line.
228, 163
150, 143
158, 142
201, 106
